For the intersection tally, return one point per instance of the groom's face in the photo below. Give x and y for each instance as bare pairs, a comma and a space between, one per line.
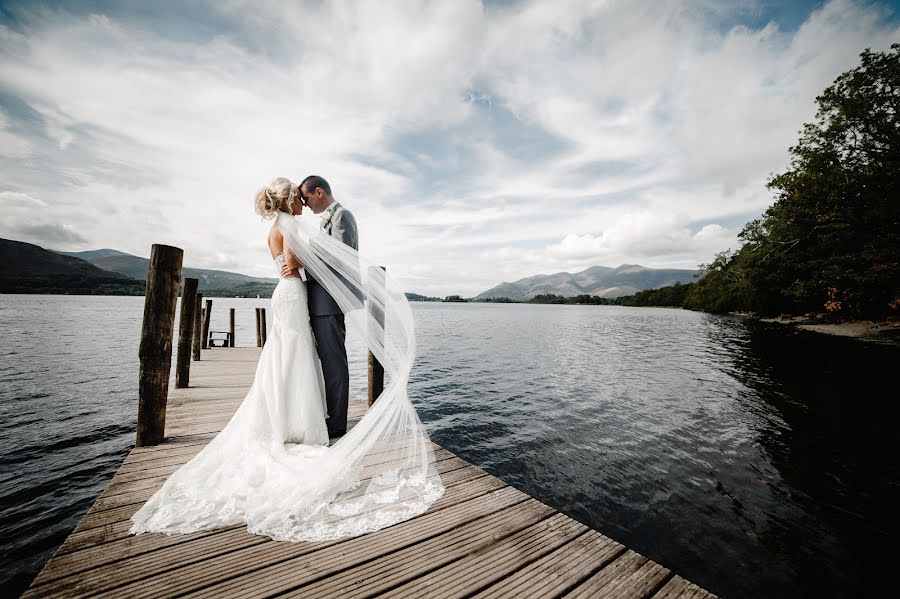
315, 198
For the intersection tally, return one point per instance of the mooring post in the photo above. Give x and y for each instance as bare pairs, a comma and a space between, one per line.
155, 353
206, 316
186, 322
262, 325
198, 325
258, 330
377, 281
231, 327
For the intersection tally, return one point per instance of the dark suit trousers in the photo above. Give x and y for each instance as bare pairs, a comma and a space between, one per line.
330, 333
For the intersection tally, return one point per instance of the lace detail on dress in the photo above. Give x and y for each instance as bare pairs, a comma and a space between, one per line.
289, 308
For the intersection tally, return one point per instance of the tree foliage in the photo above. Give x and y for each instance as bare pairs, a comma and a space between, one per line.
831, 240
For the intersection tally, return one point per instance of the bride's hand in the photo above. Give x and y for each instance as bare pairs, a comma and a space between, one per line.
287, 271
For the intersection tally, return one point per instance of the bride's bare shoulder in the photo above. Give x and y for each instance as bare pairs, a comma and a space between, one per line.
276, 241
275, 233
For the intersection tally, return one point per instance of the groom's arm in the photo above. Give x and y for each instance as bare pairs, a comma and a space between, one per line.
344, 228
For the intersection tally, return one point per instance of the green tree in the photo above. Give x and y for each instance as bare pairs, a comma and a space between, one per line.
832, 238
722, 286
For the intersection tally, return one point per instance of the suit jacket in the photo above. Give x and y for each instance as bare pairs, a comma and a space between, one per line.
342, 226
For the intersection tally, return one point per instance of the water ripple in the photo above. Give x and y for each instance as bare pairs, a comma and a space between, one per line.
750, 459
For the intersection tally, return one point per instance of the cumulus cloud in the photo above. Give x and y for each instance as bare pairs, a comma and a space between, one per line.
474, 142
644, 235
50, 235
24, 217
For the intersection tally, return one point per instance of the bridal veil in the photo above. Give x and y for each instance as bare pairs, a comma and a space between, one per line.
380, 473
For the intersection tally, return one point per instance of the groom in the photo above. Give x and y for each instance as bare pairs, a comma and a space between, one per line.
326, 317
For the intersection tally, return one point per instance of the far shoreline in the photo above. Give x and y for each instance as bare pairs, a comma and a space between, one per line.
880, 331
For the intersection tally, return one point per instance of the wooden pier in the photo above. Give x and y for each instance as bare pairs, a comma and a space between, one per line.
483, 538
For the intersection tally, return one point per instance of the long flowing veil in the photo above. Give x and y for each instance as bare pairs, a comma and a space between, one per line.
380, 473
384, 466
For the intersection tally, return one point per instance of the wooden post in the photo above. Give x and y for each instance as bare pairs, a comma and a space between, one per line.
206, 316
186, 332
258, 330
262, 325
198, 325
155, 353
231, 327
376, 369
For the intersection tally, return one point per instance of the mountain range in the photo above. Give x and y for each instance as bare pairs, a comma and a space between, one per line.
209, 280
28, 268
600, 281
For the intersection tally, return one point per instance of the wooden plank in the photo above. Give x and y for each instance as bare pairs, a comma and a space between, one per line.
285, 575
124, 560
460, 503
559, 570
174, 442
631, 576
149, 461
374, 577
63, 578
492, 562
681, 588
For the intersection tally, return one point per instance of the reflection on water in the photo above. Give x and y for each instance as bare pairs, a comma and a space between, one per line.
750, 459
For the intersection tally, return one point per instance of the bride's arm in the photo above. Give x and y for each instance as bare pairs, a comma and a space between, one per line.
291, 264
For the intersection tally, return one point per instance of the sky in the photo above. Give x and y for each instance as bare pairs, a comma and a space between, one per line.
475, 142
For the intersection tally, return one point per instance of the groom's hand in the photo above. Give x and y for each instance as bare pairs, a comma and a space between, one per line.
287, 271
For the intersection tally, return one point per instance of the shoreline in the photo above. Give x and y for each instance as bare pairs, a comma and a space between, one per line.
883, 331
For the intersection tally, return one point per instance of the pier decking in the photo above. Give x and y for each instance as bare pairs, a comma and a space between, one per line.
483, 538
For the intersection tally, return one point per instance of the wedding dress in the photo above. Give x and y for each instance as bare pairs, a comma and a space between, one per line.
271, 467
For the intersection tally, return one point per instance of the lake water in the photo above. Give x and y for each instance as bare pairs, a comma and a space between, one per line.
751, 459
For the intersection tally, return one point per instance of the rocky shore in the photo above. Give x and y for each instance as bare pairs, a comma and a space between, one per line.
884, 331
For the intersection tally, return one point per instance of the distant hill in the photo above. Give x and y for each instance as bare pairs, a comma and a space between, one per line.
211, 282
28, 268
600, 281
94, 254
415, 297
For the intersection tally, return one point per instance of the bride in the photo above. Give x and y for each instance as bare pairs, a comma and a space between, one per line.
271, 467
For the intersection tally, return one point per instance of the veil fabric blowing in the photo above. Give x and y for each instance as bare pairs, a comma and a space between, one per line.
380, 473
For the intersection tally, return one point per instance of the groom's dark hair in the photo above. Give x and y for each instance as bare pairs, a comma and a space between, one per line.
313, 181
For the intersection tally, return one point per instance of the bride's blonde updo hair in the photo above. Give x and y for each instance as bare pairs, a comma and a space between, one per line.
279, 195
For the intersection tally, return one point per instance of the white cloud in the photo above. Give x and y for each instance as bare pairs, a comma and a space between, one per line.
27, 218
644, 235
12, 200
12, 145
57, 125
474, 144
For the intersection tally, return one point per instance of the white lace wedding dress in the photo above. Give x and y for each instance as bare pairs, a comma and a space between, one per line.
280, 424
271, 467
